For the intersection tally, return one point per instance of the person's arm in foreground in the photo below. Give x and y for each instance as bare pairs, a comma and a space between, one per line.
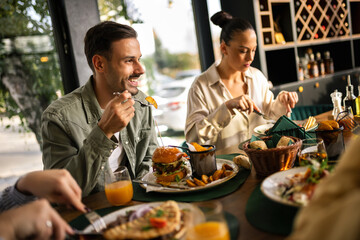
56, 185
36, 220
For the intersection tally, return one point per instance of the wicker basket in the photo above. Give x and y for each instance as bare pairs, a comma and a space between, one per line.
269, 161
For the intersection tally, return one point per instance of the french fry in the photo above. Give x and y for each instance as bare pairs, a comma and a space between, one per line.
190, 183
217, 174
199, 182
227, 173
309, 123
211, 179
226, 167
205, 179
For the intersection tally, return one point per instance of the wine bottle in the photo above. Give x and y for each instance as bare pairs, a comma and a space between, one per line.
349, 100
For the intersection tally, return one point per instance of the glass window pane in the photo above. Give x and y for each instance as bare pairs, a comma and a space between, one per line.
214, 7
30, 80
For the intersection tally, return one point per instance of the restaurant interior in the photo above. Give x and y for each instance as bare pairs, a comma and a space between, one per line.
310, 47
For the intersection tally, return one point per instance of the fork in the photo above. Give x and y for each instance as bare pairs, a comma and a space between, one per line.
141, 103
136, 100
95, 219
262, 115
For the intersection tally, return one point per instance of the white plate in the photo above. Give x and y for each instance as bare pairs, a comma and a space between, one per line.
262, 128
149, 177
270, 186
111, 217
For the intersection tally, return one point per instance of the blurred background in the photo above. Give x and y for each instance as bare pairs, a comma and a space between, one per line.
31, 73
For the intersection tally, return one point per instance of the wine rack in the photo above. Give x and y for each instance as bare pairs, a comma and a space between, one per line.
321, 19
314, 20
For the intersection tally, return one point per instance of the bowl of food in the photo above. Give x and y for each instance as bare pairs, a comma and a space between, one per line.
332, 134
267, 161
202, 160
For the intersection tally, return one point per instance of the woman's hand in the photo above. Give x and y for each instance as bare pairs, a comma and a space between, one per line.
288, 99
36, 220
242, 103
56, 185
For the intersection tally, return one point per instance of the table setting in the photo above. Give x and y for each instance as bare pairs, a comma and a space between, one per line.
252, 204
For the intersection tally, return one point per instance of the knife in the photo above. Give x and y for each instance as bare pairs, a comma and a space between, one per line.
262, 115
159, 185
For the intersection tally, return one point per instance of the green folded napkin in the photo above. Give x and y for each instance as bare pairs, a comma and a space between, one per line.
285, 127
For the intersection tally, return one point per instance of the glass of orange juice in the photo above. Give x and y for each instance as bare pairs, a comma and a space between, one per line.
118, 186
211, 225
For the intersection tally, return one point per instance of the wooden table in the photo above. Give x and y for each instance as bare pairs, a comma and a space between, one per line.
234, 203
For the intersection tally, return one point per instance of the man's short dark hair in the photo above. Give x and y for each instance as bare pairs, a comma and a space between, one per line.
98, 39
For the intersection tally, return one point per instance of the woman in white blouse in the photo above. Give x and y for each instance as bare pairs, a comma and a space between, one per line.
221, 100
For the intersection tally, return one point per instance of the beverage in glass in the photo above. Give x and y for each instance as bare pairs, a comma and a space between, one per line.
118, 186
312, 149
211, 225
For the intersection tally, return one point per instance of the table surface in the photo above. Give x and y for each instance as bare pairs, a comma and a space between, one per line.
234, 203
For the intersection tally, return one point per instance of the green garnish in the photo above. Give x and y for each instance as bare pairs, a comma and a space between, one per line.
146, 228
177, 178
159, 213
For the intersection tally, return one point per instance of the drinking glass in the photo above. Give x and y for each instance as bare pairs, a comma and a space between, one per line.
312, 149
209, 226
118, 186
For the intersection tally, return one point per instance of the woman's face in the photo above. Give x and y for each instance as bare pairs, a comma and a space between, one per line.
240, 52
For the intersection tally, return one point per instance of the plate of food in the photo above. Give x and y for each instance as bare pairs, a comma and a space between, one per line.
175, 176
293, 187
149, 221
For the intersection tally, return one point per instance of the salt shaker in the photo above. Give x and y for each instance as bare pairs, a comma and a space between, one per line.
336, 100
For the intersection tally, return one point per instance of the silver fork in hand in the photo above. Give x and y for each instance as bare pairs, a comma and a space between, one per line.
136, 100
95, 219
262, 115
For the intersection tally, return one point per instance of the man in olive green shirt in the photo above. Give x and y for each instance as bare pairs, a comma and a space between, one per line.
91, 130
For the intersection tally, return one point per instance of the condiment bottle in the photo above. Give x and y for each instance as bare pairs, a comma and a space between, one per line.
301, 71
357, 103
336, 100
329, 63
349, 100
312, 66
321, 64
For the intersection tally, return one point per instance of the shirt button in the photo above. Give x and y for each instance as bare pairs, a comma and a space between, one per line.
102, 167
126, 142
111, 150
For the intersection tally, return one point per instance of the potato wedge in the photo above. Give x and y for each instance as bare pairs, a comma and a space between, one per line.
217, 174
199, 182
205, 179
190, 183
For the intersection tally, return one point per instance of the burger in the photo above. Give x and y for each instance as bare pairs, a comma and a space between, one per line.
169, 164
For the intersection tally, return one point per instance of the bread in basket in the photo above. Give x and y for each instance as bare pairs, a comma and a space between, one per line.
271, 160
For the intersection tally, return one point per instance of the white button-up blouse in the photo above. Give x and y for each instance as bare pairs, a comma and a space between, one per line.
210, 122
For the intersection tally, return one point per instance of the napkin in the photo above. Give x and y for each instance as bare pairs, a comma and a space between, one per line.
285, 127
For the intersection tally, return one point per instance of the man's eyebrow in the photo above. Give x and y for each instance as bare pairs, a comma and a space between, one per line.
130, 57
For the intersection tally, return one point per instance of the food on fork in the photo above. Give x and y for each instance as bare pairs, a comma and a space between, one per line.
151, 101
169, 165
167, 221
